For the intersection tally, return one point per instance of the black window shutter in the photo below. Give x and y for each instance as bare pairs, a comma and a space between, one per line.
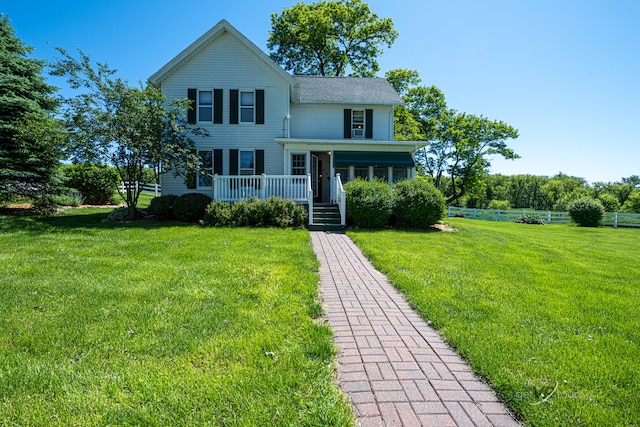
368, 127
217, 106
191, 112
233, 162
233, 106
259, 106
190, 178
259, 162
347, 123
217, 161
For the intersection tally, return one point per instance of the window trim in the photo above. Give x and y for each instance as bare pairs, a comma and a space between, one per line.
201, 170
240, 168
199, 106
358, 125
302, 168
252, 107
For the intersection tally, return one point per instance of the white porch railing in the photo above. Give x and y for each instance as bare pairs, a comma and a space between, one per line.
230, 188
341, 200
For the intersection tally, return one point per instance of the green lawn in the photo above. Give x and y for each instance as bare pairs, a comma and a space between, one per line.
161, 324
533, 309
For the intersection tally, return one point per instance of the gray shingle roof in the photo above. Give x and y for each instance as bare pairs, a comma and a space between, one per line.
346, 90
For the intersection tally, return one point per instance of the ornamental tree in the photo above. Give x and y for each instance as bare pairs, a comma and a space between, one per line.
129, 127
329, 38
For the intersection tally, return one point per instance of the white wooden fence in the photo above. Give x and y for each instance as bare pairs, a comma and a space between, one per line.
615, 219
152, 188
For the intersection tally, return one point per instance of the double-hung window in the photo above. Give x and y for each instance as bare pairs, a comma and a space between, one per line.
247, 162
357, 123
247, 106
298, 164
205, 106
205, 172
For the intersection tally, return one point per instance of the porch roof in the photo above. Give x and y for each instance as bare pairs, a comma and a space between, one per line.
372, 158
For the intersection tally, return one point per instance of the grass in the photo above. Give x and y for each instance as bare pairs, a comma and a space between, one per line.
156, 323
533, 309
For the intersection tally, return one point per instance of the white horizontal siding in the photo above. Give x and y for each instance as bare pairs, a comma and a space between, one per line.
326, 121
227, 64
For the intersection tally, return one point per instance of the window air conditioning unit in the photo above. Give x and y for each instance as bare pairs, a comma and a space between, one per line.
357, 133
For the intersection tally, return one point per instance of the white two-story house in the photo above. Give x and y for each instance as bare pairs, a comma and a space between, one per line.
271, 133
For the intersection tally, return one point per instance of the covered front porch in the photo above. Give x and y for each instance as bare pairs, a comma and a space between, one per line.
298, 188
326, 159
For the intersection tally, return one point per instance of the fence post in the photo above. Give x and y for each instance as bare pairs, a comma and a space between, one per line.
615, 220
449, 211
474, 213
498, 215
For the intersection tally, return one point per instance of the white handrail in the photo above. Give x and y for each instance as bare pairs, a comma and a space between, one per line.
310, 198
341, 199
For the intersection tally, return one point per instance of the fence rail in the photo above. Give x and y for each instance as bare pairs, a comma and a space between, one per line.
614, 219
151, 188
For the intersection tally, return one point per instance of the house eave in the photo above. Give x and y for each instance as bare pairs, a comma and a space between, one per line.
353, 144
220, 28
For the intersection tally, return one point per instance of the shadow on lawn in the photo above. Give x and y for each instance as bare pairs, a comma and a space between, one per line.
75, 219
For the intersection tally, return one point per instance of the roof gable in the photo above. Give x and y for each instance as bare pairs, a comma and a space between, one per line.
222, 27
346, 90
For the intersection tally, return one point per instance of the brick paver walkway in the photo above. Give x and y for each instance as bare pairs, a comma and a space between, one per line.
395, 368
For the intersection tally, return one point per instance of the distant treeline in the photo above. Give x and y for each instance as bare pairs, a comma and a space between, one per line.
551, 193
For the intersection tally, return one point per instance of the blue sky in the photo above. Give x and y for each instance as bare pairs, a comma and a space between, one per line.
565, 73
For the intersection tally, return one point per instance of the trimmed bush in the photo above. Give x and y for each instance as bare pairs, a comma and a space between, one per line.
191, 207
586, 212
161, 207
218, 214
502, 205
285, 212
418, 204
369, 203
275, 212
97, 183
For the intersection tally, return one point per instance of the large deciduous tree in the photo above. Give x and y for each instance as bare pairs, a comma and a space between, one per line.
330, 38
30, 137
130, 127
458, 146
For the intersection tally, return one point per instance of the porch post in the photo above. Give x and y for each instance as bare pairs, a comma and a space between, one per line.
215, 187
310, 198
263, 186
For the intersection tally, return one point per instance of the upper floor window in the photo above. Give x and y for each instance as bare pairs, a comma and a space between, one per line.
205, 106
357, 123
247, 106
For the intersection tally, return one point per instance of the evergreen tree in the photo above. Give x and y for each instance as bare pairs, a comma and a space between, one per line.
30, 137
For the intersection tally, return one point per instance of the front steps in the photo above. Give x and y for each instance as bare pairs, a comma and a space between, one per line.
326, 217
